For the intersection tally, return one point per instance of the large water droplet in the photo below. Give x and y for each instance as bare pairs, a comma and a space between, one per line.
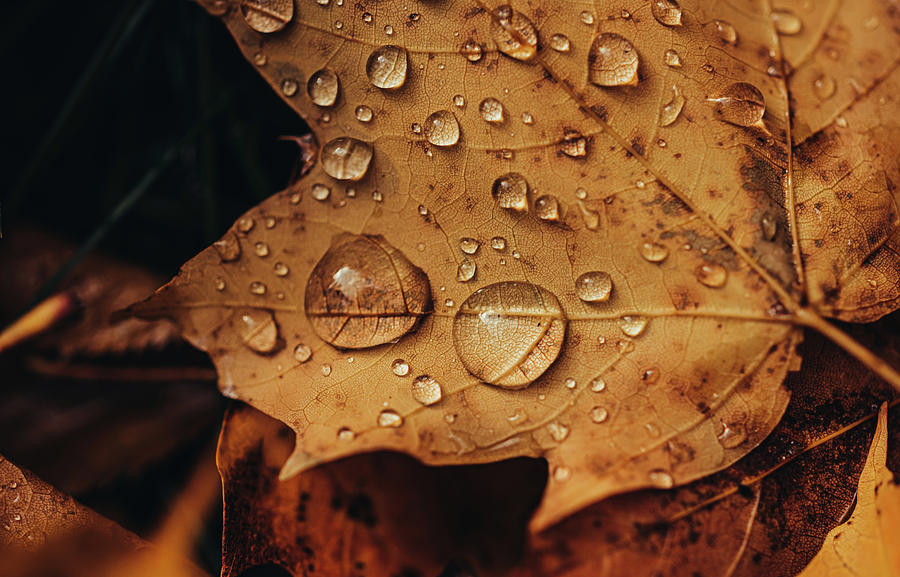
514, 33
258, 330
267, 16
654, 252
386, 67
712, 274
633, 326
560, 43
389, 418
546, 208
491, 110
441, 128
323, 87
741, 104
787, 23
594, 286
346, 158
228, 247
670, 112
511, 191
666, 12
507, 334
364, 292
613, 61
426, 390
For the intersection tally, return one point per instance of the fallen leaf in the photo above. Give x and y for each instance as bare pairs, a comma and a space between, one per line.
867, 543
587, 233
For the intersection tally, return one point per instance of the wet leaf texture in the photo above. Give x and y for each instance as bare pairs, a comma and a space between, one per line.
506, 151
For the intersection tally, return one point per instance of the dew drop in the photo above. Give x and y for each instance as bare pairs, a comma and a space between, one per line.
598, 385
661, 479
546, 208
258, 330
599, 415
491, 110
511, 191
220, 284
442, 129
261, 249
787, 23
769, 226
389, 418
364, 292
228, 247
726, 32
560, 43
346, 158
400, 367
281, 269
507, 334
498, 243
824, 87
573, 144
654, 252
323, 87
587, 17
271, 222
591, 217
670, 112
580, 193
466, 270
514, 33
345, 435
459, 101
666, 12
741, 104
386, 67
388, 29
633, 326
302, 353
673, 59
712, 274
561, 474
652, 430
472, 51
613, 61
469, 245
258, 288
558, 431
426, 390
267, 16
594, 286
289, 87
325, 369
731, 436
449, 303
260, 59
320, 191
364, 113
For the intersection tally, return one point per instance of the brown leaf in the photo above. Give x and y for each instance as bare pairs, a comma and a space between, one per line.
618, 237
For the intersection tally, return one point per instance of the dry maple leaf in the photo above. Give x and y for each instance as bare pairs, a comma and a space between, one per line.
586, 232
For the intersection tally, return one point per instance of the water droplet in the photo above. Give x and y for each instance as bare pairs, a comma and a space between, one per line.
271, 222
824, 87
345, 435
220, 284
594, 286
527, 118
546, 207
673, 59
302, 353
573, 144
441, 128
654, 252
561, 474
389, 418
459, 101
661, 479
670, 112
346, 158
514, 33
260, 59
449, 303
364, 113
491, 110
741, 104
580, 193
258, 330
613, 61
571, 383
587, 17
599, 415
666, 12
652, 430
258, 288
261, 249
320, 191
386, 67
289, 87
591, 217
323, 87
338, 24
469, 245
325, 369
507, 334
731, 436
498, 243
228, 247
400, 367
364, 292
633, 326
511, 191
281, 269
712, 274
377, 196
598, 385
560, 43
558, 431
786, 22
426, 390
841, 122
267, 16
769, 226
466, 270
726, 32
472, 51
388, 29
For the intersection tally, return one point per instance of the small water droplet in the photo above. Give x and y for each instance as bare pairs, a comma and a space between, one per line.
281, 269
228, 247
841, 122
731, 436
633, 326
587, 17
258, 288
661, 479
571, 383
561, 474
558, 431
591, 217
594, 286
580, 193
712, 274
449, 303
258, 330
787, 22
546, 208
364, 113
386, 67
472, 51
726, 32
302, 353
652, 430
271, 222
267, 16
527, 118
666, 12
388, 29
514, 33
560, 43
573, 144
613, 61
466, 270
289, 87
260, 59
825, 87
325, 369
261, 249
599, 414
338, 24
598, 385
220, 284
346, 158
491, 110
426, 390
442, 129
741, 104
469, 245
670, 112
498, 243
511, 191
400, 367
320, 191
654, 252
769, 226
389, 418
323, 87
673, 59
459, 101
345, 435
16, 517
